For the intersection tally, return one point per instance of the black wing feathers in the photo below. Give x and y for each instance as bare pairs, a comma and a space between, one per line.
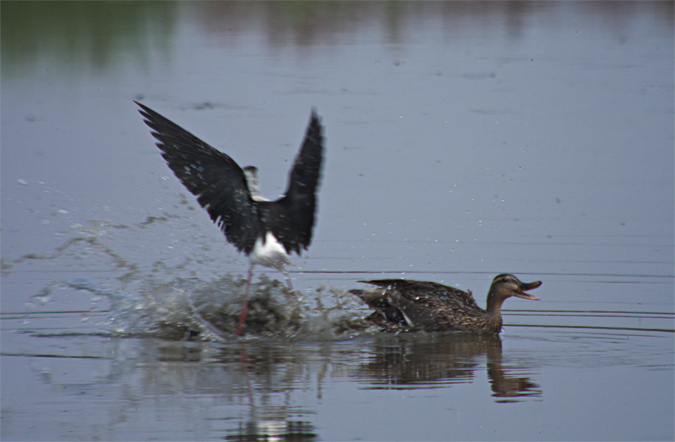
220, 185
215, 178
293, 214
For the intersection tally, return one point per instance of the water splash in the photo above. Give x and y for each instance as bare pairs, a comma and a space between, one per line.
196, 309
146, 298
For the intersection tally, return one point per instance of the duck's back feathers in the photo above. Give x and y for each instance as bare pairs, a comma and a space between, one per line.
421, 305
427, 293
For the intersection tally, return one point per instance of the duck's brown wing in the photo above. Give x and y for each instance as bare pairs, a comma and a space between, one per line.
419, 305
427, 293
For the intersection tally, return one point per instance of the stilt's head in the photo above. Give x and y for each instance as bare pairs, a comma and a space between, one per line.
251, 174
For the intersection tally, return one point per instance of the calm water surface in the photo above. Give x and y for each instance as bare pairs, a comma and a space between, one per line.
463, 140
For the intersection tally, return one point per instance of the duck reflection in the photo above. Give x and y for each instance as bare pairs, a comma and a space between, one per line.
426, 361
507, 385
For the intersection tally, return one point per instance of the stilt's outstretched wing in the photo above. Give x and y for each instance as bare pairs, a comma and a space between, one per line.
212, 176
291, 217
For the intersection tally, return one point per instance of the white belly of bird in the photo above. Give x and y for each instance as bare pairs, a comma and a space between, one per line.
270, 254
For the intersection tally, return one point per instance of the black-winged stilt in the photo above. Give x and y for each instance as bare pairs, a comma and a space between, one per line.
266, 231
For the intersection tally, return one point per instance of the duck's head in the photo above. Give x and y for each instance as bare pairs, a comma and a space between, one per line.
504, 286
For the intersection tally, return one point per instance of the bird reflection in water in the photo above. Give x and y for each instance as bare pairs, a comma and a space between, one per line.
422, 360
269, 420
273, 428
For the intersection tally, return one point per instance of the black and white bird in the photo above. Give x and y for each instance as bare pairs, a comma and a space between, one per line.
266, 231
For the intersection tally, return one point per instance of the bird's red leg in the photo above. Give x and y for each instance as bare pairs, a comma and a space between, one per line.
287, 278
244, 310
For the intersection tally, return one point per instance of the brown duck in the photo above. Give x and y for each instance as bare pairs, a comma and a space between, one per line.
406, 305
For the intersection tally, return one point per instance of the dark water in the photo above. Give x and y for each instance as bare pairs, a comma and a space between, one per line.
463, 140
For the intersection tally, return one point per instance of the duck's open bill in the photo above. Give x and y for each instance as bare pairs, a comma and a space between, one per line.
527, 286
